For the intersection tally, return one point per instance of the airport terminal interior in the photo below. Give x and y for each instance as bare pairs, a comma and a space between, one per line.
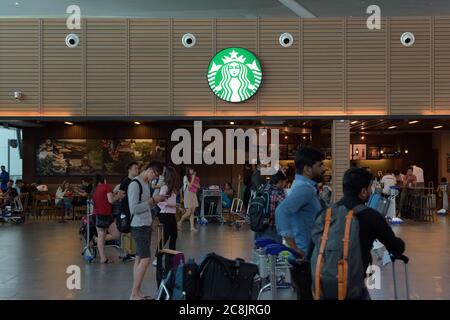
97, 88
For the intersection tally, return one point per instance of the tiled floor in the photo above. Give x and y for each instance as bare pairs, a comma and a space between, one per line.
34, 258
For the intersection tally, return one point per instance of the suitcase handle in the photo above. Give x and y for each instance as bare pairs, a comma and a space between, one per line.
403, 258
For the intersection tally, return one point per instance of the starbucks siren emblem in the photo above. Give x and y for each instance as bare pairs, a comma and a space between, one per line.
234, 74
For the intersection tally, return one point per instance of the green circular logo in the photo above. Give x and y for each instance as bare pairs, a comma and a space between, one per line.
234, 74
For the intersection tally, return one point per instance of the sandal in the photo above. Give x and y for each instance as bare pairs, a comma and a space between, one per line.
106, 261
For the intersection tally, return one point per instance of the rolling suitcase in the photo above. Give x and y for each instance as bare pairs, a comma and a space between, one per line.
405, 260
166, 259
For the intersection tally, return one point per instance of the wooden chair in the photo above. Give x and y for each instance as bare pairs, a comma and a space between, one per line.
24, 199
43, 203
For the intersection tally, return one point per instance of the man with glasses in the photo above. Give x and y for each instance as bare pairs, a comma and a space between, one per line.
140, 203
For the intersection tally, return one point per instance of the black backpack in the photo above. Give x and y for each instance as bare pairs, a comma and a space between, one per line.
224, 279
259, 211
125, 217
183, 282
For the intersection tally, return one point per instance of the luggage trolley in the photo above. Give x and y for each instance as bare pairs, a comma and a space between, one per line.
215, 206
271, 265
90, 250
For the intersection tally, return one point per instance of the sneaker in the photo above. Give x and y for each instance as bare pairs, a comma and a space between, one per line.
194, 230
155, 262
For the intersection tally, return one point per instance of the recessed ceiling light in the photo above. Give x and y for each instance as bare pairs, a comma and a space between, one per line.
285, 137
304, 138
392, 127
406, 151
382, 151
438, 127
17, 4
413, 122
232, 122
69, 123
137, 123
362, 137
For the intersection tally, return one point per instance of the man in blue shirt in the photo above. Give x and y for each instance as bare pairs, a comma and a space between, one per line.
295, 216
4, 178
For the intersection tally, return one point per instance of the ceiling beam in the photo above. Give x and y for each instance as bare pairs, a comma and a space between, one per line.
298, 9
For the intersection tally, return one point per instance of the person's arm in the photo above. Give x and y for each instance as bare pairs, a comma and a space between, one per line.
113, 197
386, 236
136, 207
285, 212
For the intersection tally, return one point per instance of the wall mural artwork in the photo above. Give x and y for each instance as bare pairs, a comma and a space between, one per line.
75, 157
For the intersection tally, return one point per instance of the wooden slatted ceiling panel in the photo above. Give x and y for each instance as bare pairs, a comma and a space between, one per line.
410, 67
191, 93
62, 70
19, 66
340, 153
366, 68
238, 33
442, 65
149, 67
106, 67
323, 66
280, 90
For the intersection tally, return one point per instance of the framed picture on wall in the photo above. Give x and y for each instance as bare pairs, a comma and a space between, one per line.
359, 152
79, 157
373, 153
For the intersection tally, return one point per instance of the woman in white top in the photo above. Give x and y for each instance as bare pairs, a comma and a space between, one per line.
63, 199
167, 215
190, 187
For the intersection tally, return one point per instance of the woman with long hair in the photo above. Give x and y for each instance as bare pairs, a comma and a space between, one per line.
106, 227
167, 215
191, 184
63, 199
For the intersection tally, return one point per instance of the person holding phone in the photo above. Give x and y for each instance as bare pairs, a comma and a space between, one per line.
168, 206
191, 184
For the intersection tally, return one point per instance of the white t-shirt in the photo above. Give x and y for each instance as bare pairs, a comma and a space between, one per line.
388, 181
418, 172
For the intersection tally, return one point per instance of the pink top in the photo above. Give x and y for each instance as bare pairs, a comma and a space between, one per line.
172, 201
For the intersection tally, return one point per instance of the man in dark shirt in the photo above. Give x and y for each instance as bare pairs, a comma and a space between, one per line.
85, 190
372, 225
133, 172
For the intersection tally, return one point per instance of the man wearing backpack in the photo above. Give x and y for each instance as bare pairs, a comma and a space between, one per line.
140, 203
343, 238
296, 214
276, 194
133, 172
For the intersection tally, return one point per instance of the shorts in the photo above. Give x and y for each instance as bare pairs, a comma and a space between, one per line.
142, 237
103, 222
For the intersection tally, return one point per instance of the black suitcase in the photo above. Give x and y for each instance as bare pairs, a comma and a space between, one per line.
224, 279
166, 259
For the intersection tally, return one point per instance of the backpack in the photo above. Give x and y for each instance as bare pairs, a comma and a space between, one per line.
258, 211
224, 279
183, 281
336, 261
125, 217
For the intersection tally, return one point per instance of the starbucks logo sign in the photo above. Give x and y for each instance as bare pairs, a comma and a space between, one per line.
234, 74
